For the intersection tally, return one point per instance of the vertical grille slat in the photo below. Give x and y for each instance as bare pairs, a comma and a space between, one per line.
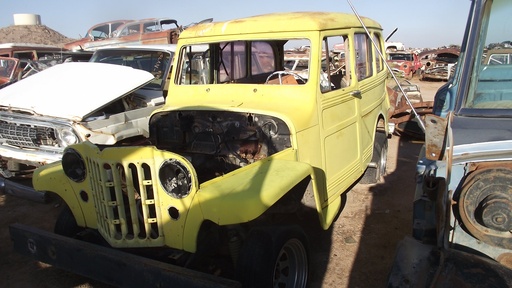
118, 194
125, 203
144, 200
132, 199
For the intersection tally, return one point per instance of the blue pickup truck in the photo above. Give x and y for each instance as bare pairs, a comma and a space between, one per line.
462, 213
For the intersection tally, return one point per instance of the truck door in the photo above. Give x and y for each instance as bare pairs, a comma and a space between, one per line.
340, 131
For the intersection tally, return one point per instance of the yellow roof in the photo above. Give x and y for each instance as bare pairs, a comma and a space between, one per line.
279, 22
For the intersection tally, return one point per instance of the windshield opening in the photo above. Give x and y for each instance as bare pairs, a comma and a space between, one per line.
243, 61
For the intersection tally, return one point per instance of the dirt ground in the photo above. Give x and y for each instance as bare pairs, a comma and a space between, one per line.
357, 251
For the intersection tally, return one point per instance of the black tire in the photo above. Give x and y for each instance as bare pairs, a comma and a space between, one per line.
373, 175
66, 223
274, 257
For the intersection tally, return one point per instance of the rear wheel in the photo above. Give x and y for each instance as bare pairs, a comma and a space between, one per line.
375, 172
274, 257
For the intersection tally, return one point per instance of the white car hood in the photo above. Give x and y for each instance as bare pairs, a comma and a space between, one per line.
72, 90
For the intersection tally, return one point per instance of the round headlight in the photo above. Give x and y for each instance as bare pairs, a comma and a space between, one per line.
175, 178
73, 165
67, 137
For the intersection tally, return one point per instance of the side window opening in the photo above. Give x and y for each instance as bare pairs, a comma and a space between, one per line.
378, 59
363, 56
335, 73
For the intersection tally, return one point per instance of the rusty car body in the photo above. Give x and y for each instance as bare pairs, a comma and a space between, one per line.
145, 31
438, 64
28, 50
402, 116
98, 32
404, 63
8, 67
462, 209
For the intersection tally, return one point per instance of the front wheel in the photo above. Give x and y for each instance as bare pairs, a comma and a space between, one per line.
274, 257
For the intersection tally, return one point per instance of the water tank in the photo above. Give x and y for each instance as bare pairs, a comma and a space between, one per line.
27, 19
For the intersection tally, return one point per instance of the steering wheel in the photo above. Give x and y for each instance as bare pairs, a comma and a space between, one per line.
280, 76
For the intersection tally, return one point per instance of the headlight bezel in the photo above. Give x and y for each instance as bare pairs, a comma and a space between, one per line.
175, 178
73, 165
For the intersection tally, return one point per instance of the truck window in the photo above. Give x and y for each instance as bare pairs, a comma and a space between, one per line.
364, 58
334, 74
493, 90
378, 59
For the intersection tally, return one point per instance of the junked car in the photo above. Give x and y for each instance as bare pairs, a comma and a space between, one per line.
108, 119
98, 32
462, 209
438, 64
404, 63
28, 50
241, 152
145, 31
498, 56
39, 120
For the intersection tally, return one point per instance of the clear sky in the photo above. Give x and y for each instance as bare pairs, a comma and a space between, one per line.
420, 23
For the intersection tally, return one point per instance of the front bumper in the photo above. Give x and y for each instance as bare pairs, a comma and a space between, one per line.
107, 265
34, 158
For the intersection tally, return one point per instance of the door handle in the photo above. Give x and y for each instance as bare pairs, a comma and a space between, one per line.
356, 93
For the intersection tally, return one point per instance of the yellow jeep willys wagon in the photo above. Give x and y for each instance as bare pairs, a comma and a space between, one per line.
240, 149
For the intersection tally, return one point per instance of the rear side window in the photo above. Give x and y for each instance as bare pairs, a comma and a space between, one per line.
378, 59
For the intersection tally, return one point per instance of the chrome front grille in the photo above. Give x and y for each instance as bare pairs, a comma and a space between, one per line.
26, 136
126, 203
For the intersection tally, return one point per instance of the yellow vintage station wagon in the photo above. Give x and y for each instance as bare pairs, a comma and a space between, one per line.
246, 143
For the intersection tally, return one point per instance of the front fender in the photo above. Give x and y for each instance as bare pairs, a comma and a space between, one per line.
247, 193
51, 178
